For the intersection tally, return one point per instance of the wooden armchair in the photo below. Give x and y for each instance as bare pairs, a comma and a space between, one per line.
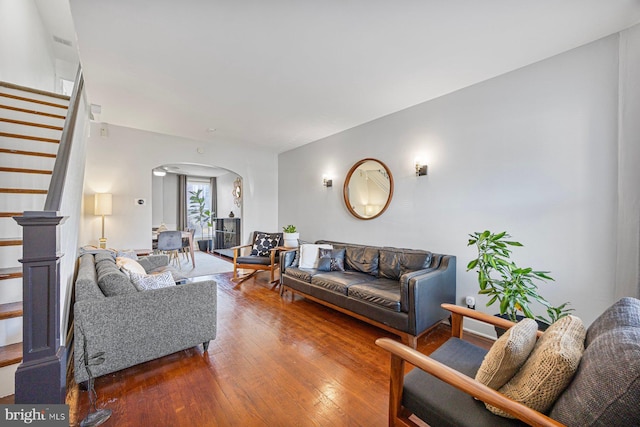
604, 390
268, 243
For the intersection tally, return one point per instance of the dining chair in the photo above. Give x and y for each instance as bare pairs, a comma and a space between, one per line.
170, 242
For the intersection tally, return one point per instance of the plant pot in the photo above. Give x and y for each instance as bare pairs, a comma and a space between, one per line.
291, 239
205, 245
500, 331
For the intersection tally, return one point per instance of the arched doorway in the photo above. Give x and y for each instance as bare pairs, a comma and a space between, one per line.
200, 197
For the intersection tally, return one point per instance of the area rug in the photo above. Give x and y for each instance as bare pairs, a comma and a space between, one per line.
205, 265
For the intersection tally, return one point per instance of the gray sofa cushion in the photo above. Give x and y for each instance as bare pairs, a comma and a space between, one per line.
605, 390
111, 280
87, 282
362, 258
396, 262
440, 404
382, 292
339, 281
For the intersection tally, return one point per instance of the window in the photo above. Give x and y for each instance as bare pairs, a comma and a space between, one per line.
193, 185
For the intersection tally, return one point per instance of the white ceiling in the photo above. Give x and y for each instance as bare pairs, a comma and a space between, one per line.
280, 74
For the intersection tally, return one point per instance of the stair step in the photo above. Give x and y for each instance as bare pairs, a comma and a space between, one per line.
21, 170
11, 310
23, 191
10, 273
27, 111
21, 122
29, 137
27, 153
10, 214
36, 101
10, 354
10, 241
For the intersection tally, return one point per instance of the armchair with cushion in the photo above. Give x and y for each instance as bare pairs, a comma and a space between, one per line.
442, 391
262, 257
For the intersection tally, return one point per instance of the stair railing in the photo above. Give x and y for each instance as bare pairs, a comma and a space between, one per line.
56, 185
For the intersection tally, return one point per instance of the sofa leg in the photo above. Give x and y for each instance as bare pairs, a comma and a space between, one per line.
410, 340
84, 386
205, 346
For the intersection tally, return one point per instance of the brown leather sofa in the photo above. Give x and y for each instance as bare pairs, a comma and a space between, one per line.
399, 290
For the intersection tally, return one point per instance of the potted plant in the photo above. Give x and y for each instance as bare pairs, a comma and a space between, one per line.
200, 214
291, 236
513, 288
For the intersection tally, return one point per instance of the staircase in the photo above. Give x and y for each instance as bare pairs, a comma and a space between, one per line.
31, 124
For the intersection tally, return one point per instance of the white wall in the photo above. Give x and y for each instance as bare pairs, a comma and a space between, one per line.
533, 152
26, 51
121, 164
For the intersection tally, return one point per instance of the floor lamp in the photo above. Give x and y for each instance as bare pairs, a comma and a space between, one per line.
103, 207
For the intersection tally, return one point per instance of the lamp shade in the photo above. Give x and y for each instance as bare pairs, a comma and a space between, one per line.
102, 204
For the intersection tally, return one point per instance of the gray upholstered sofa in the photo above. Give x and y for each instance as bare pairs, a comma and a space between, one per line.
399, 290
112, 317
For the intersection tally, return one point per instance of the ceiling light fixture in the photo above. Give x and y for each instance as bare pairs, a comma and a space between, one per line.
159, 172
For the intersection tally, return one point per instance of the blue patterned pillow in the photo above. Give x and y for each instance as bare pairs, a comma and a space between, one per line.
144, 282
331, 259
264, 243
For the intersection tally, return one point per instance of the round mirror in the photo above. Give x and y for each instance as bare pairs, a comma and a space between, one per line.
368, 189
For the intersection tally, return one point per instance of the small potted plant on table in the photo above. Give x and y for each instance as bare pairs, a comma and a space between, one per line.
291, 236
512, 287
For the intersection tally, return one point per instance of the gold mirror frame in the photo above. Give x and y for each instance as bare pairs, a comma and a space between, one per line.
376, 210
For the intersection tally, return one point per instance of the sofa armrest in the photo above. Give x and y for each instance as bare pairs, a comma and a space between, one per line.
152, 262
142, 326
401, 353
286, 259
422, 295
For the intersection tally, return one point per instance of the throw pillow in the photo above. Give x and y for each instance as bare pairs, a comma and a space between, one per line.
144, 282
550, 367
264, 242
331, 259
508, 354
128, 265
309, 255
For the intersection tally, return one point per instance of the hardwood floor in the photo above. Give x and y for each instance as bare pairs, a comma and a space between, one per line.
275, 362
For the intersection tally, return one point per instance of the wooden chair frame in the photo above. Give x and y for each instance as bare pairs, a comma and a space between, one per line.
273, 265
401, 354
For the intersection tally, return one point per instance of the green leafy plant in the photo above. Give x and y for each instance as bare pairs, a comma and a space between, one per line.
513, 288
198, 211
289, 229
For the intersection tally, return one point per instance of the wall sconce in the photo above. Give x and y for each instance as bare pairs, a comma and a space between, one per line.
421, 170
103, 206
327, 182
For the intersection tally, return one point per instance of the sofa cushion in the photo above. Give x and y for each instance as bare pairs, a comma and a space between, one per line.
115, 283
87, 281
550, 367
608, 378
331, 259
508, 354
304, 275
444, 405
144, 282
381, 292
339, 281
362, 258
310, 255
624, 313
105, 256
396, 262
264, 242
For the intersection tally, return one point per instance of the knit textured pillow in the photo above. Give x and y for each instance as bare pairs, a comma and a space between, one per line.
550, 367
508, 354
144, 282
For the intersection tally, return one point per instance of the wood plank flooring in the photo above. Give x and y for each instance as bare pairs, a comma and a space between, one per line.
275, 362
